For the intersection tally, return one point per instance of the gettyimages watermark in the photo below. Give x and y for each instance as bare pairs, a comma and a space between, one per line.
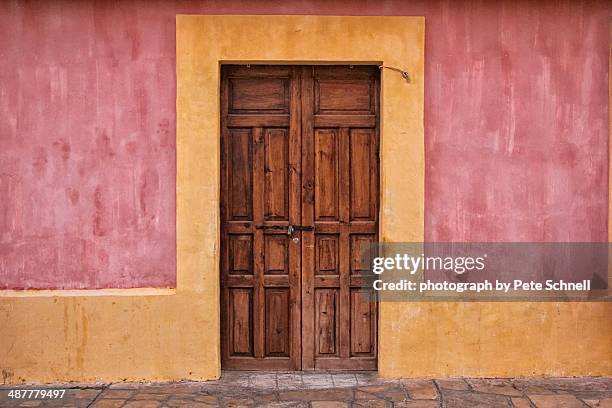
577, 271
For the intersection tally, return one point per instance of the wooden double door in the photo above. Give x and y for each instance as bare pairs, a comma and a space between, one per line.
299, 205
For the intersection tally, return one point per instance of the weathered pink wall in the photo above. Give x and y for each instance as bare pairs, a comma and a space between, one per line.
516, 128
87, 161
516, 122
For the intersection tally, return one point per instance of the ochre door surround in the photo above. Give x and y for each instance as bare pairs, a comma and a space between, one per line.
204, 43
409, 344
299, 204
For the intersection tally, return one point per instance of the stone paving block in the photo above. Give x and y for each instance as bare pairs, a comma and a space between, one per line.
536, 390
283, 404
421, 389
344, 380
390, 392
521, 403
360, 395
208, 399
453, 384
556, 401
417, 404
238, 403
108, 403
377, 403
188, 403
66, 404
468, 399
87, 393
143, 404
289, 381
266, 397
125, 385
176, 402
606, 403
149, 396
494, 386
395, 396
183, 388
365, 379
328, 404
590, 395
236, 378
125, 394
82, 403
317, 380
179, 395
379, 388
265, 381
338, 394
568, 384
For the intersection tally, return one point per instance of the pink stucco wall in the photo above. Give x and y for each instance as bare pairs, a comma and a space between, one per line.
516, 128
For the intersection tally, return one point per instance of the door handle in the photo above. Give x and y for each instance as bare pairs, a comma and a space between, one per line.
302, 227
270, 227
290, 228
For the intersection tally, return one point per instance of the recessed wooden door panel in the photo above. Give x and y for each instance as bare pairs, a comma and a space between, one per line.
363, 174
299, 148
240, 174
326, 156
240, 321
260, 195
326, 335
278, 329
258, 95
276, 171
240, 255
340, 186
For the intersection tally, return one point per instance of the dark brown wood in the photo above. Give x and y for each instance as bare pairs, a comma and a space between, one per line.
308, 237
345, 253
259, 245
299, 147
295, 215
352, 121
260, 186
340, 177
246, 121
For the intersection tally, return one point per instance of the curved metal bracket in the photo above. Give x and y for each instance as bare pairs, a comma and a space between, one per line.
404, 73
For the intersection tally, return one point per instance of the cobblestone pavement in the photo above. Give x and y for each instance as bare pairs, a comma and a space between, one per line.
333, 390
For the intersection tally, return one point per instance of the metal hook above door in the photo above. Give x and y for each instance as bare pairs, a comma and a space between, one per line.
404, 73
